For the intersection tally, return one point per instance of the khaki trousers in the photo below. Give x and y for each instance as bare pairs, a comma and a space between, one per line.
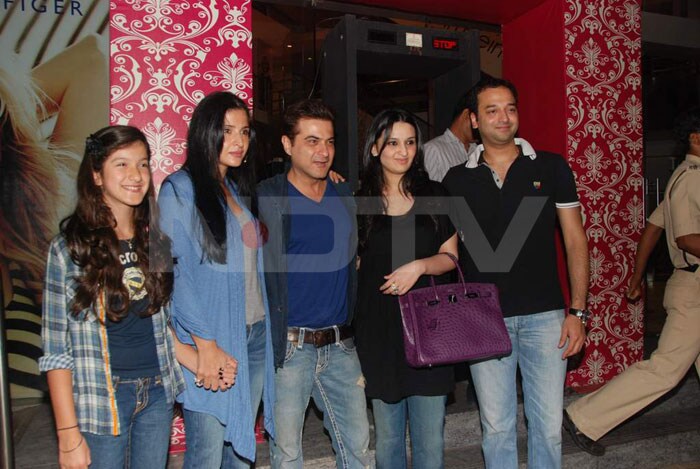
644, 382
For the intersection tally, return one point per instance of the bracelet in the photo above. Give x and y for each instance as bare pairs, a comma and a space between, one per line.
66, 428
76, 446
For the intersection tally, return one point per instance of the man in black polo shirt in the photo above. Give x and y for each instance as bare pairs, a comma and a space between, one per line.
514, 197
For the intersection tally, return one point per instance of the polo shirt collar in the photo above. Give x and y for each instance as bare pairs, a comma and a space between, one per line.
475, 158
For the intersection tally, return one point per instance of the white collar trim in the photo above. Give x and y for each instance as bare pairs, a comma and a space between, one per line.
525, 148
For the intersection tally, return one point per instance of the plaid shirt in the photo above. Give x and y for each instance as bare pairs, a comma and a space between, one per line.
79, 343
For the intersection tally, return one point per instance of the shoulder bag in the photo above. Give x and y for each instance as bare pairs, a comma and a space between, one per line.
453, 323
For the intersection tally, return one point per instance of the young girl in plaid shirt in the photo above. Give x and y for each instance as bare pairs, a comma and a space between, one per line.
108, 352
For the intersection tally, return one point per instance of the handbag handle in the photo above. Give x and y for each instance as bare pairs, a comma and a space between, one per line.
459, 272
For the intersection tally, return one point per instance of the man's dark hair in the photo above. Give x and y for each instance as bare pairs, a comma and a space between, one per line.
306, 109
460, 106
485, 83
687, 123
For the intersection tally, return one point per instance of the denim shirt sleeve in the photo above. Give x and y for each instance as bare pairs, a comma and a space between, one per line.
177, 221
55, 336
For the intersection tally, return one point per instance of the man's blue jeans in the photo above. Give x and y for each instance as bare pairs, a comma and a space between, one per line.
256, 370
426, 421
535, 338
332, 376
145, 419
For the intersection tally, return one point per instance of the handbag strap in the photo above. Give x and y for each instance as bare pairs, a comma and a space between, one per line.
459, 272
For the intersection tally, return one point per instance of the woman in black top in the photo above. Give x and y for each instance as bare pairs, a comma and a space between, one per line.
403, 228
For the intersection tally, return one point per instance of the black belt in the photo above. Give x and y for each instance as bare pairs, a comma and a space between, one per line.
689, 268
320, 337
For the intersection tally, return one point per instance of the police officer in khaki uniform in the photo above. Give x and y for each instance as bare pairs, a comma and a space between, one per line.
594, 415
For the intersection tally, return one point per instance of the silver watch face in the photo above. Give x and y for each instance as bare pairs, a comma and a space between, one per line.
582, 314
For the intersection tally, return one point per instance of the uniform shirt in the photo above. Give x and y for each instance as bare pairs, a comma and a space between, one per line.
80, 344
657, 216
444, 152
681, 209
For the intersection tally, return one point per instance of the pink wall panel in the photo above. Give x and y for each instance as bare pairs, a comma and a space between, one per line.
165, 57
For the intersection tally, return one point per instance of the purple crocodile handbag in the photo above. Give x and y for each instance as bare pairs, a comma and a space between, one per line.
453, 323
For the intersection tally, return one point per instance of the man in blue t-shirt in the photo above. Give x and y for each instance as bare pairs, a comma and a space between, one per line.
311, 283
508, 200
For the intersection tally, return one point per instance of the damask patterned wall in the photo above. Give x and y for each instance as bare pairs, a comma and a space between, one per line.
165, 57
580, 95
604, 148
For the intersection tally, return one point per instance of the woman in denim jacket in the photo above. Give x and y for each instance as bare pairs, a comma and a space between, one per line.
219, 304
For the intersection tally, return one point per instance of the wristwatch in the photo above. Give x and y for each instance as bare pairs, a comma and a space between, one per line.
582, 314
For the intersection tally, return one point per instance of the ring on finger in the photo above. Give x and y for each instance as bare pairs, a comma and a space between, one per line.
198, 382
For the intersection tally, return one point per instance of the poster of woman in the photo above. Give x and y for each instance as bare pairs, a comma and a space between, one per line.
54, 91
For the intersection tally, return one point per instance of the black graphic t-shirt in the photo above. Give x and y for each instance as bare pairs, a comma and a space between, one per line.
132, 345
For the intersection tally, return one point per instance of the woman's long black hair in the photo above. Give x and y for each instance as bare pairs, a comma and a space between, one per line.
372, 200
205, 140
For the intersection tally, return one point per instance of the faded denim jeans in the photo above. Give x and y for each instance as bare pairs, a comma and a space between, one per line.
426, 423
145, 419
332, 376
535, 338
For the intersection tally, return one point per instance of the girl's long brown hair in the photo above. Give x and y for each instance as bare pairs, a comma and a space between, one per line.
92, 240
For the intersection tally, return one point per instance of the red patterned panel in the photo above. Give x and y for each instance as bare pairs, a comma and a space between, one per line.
604, 148
177, 435
165, 57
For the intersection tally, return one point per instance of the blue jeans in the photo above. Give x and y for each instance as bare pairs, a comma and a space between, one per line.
332, 376
535, 338
145, 419
256, 369
204, 440
426, 422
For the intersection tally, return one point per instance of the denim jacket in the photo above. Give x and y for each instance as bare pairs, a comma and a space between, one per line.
273, 203
209, 302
